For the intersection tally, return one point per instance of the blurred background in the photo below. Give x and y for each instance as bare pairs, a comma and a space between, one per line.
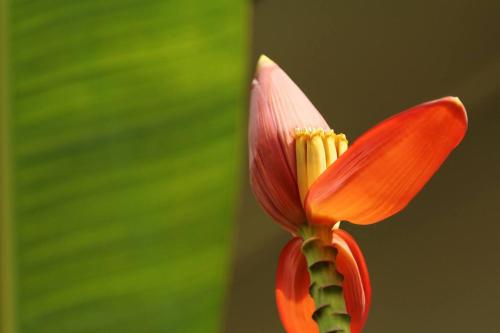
125, 205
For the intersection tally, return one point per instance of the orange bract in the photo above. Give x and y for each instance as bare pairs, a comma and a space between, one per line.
296, 306
388, 165
357, 288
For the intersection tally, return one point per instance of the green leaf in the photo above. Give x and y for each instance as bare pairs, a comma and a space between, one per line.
124, 128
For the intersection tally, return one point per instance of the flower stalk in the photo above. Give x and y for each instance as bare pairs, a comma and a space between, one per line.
325, 281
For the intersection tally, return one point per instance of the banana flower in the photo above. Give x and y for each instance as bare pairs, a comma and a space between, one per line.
307, 179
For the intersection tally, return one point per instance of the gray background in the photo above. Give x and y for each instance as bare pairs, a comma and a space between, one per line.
434, 267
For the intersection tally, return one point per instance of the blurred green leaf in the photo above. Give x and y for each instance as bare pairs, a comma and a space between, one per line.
124, 121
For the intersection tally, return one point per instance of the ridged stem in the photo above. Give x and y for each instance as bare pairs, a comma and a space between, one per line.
326, 282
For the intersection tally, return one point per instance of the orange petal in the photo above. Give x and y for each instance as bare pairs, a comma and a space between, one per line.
357, 288
388, 165
277, 108
296, 306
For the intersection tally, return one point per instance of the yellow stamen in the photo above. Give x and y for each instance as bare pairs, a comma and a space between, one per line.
342, 143
316, 159
315, 150
330, 148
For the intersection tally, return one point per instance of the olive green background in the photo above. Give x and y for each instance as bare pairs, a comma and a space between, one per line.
434, 267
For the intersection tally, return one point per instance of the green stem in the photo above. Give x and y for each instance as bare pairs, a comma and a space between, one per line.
326, 282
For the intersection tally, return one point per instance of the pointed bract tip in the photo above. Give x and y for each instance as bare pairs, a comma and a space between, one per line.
460, 107
456, 101
263, 62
